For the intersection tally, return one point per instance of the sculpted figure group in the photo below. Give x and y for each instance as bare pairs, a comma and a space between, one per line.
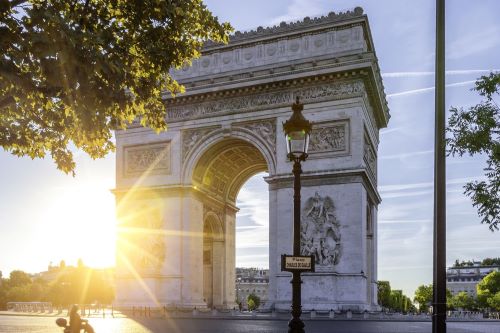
320, 231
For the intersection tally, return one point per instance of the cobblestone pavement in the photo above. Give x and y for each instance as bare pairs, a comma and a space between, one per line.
35, 324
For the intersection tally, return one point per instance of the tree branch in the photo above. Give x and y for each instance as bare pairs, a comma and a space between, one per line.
6, 101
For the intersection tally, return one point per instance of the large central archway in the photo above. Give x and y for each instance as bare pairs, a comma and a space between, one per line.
220, 167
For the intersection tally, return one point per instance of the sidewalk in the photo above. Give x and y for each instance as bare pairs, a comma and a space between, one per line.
236, 315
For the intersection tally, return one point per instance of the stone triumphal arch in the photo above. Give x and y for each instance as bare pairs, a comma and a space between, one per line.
176, 191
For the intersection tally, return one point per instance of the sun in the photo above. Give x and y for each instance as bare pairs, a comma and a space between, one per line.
81, 223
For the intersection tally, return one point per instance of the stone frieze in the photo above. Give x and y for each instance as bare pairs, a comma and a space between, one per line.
327, 91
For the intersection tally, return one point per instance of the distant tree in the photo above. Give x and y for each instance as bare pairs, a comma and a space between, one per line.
487, 288
462, 301
491, 262
423, 296
19, 279
477, 131
494, 302
253, 301
396, 302
384, 294
251, 305
463, 263
62, 264
72, 71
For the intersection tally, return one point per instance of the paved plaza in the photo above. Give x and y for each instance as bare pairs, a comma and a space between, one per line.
39, 324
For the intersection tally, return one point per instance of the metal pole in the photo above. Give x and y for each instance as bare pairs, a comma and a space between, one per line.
439, 281
296, 325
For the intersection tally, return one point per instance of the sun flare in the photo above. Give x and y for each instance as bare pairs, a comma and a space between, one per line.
80, 223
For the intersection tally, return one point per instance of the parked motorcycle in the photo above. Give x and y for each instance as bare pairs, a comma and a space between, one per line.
61, 322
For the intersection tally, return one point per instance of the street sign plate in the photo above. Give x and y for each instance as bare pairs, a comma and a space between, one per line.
297, 263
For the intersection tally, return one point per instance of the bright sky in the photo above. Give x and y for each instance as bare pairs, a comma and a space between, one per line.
38, 202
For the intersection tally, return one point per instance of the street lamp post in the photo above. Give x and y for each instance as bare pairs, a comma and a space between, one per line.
297, 130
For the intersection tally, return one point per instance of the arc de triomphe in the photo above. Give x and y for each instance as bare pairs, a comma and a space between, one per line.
176, 191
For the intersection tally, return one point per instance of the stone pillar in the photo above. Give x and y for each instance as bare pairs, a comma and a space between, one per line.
192, 251
229, 276
218, 273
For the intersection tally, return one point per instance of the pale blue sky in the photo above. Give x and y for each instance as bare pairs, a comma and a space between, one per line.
36, 199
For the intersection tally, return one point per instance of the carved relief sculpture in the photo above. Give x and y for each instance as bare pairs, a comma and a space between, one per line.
328, 138
142, 238
191, 137
152, 159
369, 157
320, 232
265, 129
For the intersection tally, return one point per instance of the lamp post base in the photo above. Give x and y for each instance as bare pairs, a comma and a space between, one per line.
295, 325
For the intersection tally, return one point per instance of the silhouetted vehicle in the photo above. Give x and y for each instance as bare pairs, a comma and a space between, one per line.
85, 327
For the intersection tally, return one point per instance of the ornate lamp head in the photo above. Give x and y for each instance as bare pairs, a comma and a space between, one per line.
297, 131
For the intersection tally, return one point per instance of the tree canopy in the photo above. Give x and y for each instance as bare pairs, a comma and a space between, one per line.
488, 290
253, 302
462, 300
72, 71
423, 296
73, 285
476, 130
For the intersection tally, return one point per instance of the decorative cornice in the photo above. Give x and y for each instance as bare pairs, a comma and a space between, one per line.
285, 27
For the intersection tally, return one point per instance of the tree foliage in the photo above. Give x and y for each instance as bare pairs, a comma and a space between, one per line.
81, 285
384, 294
462, 301
494, 301
487, 289
393, 300
71, 71
491, 262
477, 131
253, 302
423, 296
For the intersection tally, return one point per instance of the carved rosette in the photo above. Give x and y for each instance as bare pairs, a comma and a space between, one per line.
265, 129
147, 159
320, 232
324, 92
191, 137
329, 137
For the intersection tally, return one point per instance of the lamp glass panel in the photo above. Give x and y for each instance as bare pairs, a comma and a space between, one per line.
296, 142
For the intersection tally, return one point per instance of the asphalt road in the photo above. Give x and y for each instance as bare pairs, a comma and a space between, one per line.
27, 324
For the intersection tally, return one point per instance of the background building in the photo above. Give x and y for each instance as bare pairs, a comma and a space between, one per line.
467, 277
251, 281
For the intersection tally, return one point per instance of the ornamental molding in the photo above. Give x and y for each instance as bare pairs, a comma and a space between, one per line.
191, 137
285, 27
320, 232
147, 159
282, 98
329, 138
264, 129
